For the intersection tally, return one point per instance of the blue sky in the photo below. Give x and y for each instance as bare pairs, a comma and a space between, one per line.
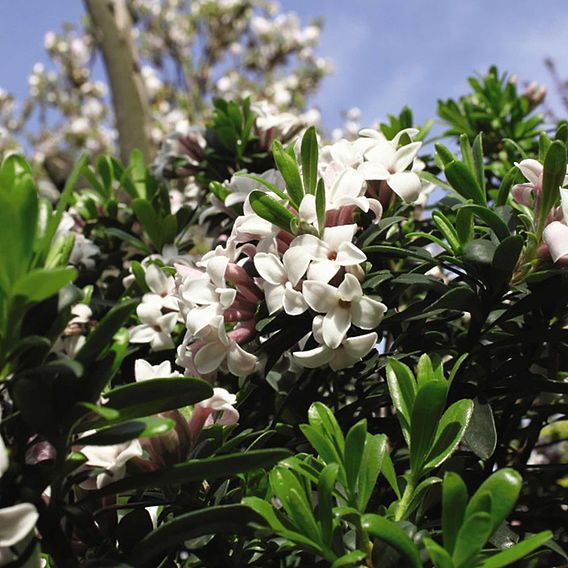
386, 54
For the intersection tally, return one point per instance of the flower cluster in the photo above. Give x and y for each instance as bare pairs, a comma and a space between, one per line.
291, 256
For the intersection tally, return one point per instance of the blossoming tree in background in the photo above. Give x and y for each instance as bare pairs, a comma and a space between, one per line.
162, 61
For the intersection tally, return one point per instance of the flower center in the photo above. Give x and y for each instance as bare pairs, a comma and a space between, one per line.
157, 328
346, 304
332, 255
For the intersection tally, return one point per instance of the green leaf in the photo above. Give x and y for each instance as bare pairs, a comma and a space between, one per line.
428, 407
354, 447
449, 432
296, 503
505, 186
439, 556
125, 431
472, 537
477, 153
64, 201
402, 388
464, 225
392, 534
390, 474
444, 154
504, 487
97, 341
309, 152
40, 284
355, 557
157, 395
454, 502
464, 182
149, 220
215, 467
288, 167
372, 461
270, 186
553, 179
320, 205
481, 435
516, 552
326, 485
129, 239
272, 211
447, 230
231, 519
322, 418
493, 221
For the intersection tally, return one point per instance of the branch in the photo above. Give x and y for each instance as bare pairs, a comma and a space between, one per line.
113, 29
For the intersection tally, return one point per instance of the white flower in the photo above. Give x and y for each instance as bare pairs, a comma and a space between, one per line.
112, 458
555, 235
217, 348
162, 288
385, 162
241, 186
143, 370
348, 188
342, 306
280, 278
327, 255
350, 351
156, 328
222, 402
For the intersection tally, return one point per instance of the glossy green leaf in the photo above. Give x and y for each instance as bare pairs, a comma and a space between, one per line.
472, 536
464, 182
504, 487
272, 211
309, 153
97, 341
326, 485
354, 447
392, 534
454, 502
40, 284
353, 558
371, 463
449, 433
214, 467
439, 556
149, 220
125, 431
320, 205
288, 167
481, 435
157, 395
428, 407
322, 418
402, 389
516, 552
221, 519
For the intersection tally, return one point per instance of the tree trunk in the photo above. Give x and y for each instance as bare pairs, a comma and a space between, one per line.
112, 25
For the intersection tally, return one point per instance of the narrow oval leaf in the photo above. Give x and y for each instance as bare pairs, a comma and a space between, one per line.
392, 534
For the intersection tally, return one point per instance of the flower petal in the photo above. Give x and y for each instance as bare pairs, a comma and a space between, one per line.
239, 362
555, 236
293, 302
367, 313
350, 289
270, 268
323, 270
141, 334
321, 297
373, 171
336, 324
209, 357
16, 522
406, 185
334, 237
404, 155
531, 169
313, 358
296, 261
349, 254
